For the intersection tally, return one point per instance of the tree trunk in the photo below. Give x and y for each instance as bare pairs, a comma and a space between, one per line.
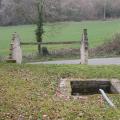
104, 11
39, 49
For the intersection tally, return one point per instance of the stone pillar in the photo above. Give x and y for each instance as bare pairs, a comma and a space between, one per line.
15, 55
84, 48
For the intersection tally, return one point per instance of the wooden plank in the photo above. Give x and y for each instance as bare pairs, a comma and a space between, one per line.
49, 43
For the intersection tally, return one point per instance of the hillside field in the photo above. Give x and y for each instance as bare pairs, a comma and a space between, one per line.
98, 32
28, 92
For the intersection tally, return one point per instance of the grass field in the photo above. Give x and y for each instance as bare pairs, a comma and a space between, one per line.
28, 92
98, 31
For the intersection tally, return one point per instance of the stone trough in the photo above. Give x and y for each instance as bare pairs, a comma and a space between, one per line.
74, 87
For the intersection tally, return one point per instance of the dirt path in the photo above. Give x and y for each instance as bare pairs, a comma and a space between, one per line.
97, 61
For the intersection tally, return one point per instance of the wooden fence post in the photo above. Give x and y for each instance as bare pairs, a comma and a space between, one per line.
84, 48
15, 55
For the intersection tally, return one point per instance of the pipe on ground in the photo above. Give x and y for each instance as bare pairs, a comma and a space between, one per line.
106, 98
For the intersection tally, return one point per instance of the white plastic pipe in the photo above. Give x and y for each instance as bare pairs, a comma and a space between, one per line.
106, 98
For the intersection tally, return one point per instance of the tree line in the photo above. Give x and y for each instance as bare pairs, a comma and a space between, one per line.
14, 12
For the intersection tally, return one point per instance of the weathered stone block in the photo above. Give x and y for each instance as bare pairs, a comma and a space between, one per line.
70, 87
15, 55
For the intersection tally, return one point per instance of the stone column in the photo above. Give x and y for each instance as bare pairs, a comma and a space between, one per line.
84, 48
15, 55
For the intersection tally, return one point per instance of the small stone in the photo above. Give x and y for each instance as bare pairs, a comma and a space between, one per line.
81, 114
45, 116
21, 117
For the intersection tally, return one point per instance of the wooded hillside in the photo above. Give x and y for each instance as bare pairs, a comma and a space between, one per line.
24, 11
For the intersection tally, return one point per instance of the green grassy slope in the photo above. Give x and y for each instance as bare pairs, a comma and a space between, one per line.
28, 92
98, 31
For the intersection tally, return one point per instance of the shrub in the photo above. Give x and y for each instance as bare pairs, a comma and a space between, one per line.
111, 48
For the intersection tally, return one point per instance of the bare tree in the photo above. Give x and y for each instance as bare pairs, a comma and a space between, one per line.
104, 9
